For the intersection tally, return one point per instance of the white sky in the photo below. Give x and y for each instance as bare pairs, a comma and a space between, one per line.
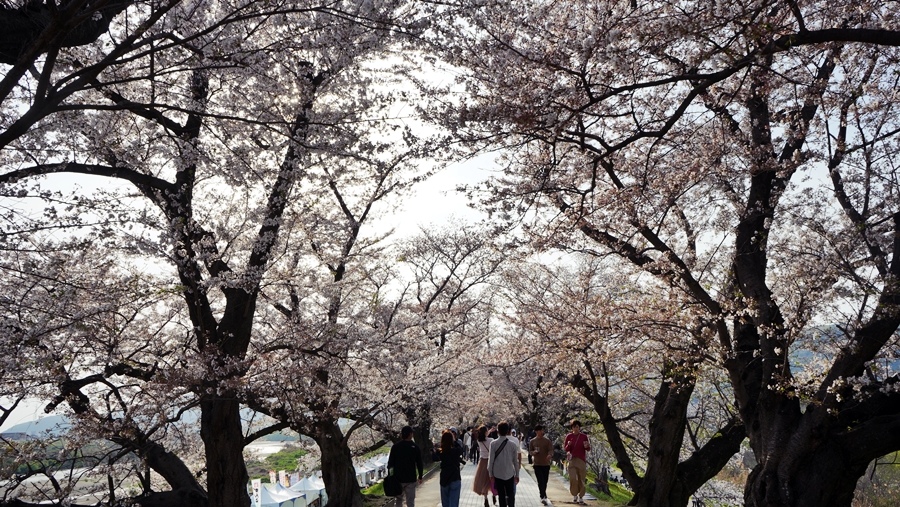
24, 413
436, 202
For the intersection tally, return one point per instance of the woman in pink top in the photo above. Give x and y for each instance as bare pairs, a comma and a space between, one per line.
577, 446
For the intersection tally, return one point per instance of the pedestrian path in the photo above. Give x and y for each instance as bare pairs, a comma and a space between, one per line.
526, 492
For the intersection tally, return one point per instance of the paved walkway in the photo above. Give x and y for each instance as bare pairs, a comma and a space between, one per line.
429, 493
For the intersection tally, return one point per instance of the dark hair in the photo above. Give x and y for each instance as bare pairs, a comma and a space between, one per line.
503, 428
447, 440
539, 427
406, 432
575, 422
482, 433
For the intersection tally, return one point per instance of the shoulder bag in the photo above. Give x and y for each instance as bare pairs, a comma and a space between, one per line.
494, 462
392, 486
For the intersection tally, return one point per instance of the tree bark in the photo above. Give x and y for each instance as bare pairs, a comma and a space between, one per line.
419, 418
660, 487
824, 478
220, 428
22, 27
337, 466
667, 482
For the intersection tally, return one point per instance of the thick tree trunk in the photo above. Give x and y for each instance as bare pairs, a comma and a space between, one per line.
419, 418
21, 27
186, 491
223, 438
171, 468
337, 466
660, 487
824, 478
668, 481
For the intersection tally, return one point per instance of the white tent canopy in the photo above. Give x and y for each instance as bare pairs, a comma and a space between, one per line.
276, 495
314, 488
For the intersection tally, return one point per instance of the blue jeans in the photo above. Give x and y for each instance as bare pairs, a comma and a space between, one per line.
450, 494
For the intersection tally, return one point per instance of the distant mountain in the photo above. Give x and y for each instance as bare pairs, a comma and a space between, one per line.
822, 343
54, 425
15, 436
57, 425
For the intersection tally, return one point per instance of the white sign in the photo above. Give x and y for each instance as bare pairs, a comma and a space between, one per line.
257, 490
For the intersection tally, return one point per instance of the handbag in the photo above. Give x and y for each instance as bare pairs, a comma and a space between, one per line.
392, 486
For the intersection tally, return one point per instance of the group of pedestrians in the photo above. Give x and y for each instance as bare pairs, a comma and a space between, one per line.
499, 463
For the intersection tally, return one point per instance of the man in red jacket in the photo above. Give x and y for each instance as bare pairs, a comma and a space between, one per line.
577, 446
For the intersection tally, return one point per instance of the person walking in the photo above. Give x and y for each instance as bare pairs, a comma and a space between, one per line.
406, 459
481, 485
540, 450
451, 457
577, 446
514, 440
467, 442
531, 434
504, 461
457, 438
474, 454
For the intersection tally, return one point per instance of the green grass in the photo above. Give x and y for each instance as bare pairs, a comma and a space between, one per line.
376, 489
384, 449
619, 495
285, 459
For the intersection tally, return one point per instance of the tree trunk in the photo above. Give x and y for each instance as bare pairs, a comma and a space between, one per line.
419, 418
660, 487
337, 466
223, 438
186, 491
23, 26
668, 482
824, 478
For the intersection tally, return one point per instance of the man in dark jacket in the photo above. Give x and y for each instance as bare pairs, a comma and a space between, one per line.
406, 459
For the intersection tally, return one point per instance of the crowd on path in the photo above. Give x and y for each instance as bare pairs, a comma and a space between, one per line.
497, 455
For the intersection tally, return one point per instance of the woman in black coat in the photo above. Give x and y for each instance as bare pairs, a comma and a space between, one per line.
451, 457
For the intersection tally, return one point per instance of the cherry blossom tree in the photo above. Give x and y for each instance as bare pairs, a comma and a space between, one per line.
741, 153
331, 329
231, 154
447, 305
626, 348
77, 327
